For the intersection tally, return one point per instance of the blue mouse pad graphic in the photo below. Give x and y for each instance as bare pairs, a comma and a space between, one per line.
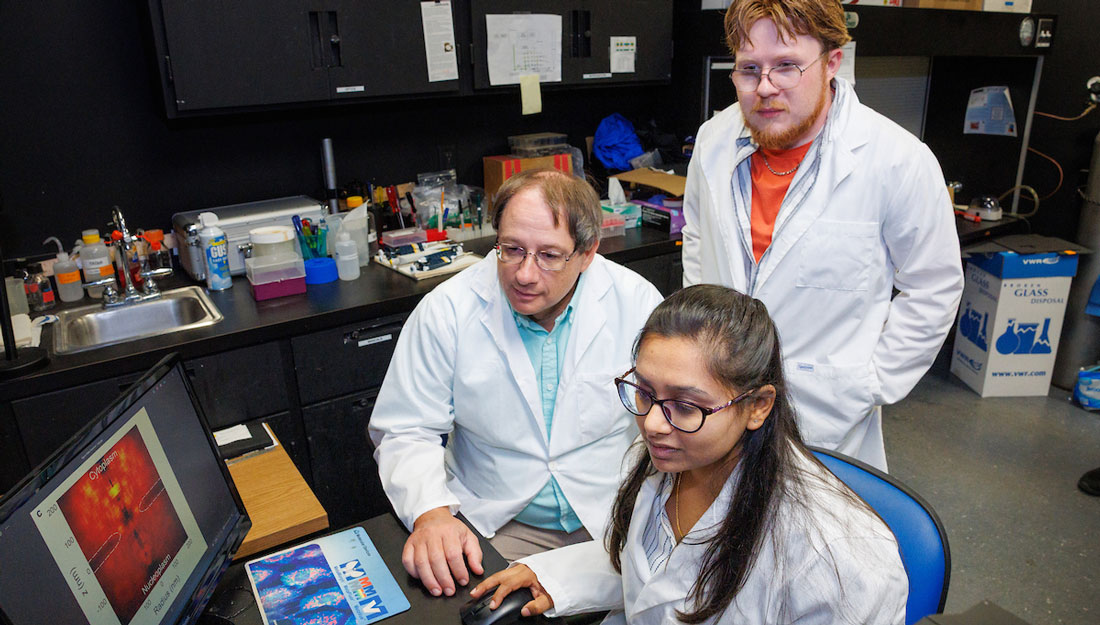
334, 580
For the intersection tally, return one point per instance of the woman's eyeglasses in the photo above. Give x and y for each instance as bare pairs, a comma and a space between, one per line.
682, 415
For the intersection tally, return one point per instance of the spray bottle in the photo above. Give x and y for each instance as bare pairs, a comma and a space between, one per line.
215, 249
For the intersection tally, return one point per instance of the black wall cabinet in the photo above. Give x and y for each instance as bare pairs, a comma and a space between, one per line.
216, 54
587, 28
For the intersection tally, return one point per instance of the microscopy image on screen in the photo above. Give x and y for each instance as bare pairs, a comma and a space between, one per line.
124, 523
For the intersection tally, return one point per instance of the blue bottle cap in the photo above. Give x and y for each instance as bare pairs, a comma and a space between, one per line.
320, 270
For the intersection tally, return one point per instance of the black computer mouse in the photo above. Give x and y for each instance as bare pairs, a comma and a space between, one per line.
477, 612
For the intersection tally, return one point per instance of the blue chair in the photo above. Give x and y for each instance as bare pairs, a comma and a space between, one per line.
920, 535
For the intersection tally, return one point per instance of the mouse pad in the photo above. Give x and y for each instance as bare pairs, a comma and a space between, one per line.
335, 580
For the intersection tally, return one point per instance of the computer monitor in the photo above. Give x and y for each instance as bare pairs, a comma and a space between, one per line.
131, 522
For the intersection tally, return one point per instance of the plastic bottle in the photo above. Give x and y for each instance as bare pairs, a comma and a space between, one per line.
40, 295
96, 260
347, 257
66, 274
215, 249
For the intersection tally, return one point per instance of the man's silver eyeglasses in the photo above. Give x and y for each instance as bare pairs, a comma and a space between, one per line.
682, 415
548, 260
786, 75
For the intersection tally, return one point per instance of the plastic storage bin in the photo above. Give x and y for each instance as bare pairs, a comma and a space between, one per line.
275, 276
538, 144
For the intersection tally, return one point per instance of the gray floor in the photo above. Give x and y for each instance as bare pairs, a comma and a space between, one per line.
1002, 475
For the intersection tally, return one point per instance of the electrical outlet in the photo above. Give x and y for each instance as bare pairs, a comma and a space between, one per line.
448, 156
1093, 85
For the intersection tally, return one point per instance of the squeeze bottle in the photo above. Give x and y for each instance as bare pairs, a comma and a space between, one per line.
215, 250
66, 274
347, 257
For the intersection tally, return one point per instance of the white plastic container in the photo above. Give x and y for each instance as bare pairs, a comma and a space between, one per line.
272, 240
347, 257
95, 258
215, 249
66, 274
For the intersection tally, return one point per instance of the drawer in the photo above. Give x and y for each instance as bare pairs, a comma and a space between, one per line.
340, 361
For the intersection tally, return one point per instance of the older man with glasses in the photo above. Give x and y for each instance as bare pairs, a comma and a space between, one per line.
514, 360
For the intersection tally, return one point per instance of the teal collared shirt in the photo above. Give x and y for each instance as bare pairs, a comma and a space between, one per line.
549, 509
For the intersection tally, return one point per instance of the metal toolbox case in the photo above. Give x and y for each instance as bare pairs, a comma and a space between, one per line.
237, 220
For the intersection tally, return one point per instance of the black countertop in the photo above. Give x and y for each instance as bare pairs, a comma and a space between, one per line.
378, 292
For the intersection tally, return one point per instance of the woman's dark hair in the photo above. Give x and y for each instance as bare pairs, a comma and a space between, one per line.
741, 348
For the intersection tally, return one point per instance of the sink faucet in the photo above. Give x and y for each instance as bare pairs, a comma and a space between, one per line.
127, 293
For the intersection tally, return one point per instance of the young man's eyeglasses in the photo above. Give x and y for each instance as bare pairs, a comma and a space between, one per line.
786, 75
682, 415
545, 259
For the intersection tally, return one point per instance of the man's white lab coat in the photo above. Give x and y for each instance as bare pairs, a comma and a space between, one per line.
867, 212
460, 368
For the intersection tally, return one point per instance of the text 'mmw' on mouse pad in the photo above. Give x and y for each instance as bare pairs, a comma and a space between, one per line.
338, 579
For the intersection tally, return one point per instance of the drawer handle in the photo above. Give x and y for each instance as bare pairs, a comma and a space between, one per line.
362, 339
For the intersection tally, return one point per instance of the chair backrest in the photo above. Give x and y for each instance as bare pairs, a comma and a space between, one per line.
920, 535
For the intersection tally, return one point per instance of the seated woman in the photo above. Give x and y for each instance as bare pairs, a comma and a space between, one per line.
724, 517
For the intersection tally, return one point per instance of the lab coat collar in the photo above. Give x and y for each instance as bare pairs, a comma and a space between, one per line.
589, 319
830, 160
672, 583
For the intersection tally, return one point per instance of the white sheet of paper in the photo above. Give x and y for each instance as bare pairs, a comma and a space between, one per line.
530, 93
439, 40
848, 62
623, 52
232, 435
523, 44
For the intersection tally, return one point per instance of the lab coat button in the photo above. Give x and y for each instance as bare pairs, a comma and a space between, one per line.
553, 466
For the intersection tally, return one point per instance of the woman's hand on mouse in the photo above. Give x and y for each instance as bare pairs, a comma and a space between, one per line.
511, 578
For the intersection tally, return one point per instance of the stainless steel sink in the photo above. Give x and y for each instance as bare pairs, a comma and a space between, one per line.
89, 327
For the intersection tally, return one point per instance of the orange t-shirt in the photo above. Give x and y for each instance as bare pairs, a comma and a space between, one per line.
768, 191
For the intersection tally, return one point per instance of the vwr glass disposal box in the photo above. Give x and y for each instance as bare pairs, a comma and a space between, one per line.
1010, 319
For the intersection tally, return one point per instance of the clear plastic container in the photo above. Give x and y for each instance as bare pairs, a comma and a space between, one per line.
275, 275
612, 227
538, 144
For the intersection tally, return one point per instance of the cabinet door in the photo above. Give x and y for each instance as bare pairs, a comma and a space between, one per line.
587, 28
377, 49
240, 385
231, 53
46, 421
666, 272
345, 477
593, 23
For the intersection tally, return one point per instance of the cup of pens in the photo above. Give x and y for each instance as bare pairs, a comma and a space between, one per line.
312, 238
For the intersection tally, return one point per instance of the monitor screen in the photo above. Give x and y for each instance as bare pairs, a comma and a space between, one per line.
131, 522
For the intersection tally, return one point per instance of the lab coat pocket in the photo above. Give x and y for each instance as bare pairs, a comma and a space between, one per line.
838, 255
830, 399
597, 406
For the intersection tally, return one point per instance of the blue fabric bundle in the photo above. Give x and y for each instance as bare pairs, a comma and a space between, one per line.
616, 143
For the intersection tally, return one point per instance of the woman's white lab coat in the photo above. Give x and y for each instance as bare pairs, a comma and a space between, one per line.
867, 212
824, 560
460, 368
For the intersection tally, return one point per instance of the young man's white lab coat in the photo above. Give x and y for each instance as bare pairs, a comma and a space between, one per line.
867, 212
824, 560
460, 368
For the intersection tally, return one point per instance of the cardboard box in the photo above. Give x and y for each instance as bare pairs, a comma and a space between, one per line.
500, 168
671, 184
1010, 320
957, 5
1007, 6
